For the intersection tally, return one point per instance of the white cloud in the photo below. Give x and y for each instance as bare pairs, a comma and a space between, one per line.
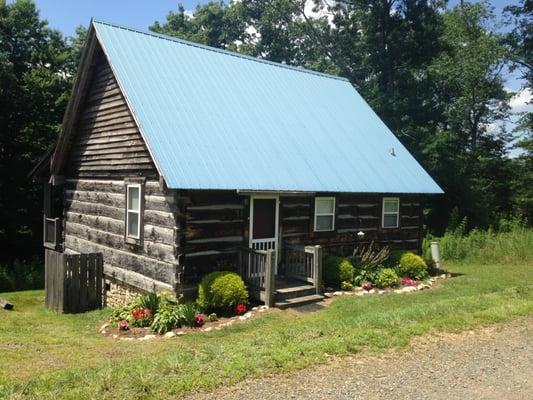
522, 101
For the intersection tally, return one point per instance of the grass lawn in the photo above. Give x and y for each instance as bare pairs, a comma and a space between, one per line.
46, 355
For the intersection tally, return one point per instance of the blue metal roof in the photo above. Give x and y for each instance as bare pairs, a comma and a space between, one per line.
214, 119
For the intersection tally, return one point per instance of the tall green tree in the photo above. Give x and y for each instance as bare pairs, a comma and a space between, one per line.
467, 153
36, 72
520, 42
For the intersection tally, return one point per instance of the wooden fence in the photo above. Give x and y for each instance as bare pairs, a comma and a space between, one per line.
73, 282
304, 263
257, 267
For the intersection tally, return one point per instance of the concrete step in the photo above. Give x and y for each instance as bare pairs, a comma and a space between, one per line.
299, 301
294, 291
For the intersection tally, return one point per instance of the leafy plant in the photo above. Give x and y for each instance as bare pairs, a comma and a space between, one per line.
189, 313
347, 285
213, 317
150, 301
405, 281
221, 290
199, 320
168, 317
337, 270
123, 325
413, 266
387, 277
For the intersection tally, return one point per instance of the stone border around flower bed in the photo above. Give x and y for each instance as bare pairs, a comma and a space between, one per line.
359, 291
106, 329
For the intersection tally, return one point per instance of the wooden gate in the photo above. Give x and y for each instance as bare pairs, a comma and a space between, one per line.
73, 282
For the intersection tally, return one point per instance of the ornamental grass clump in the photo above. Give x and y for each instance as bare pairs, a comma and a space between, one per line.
221, 291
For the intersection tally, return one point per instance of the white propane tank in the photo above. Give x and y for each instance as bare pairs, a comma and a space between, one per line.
435, 253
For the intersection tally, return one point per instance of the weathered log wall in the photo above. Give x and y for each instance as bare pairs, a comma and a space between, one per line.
353, 213
215, 224
94, 218
107, 141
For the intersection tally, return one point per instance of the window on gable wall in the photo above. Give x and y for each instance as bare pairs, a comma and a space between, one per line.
324, 214
391, 212
133, 211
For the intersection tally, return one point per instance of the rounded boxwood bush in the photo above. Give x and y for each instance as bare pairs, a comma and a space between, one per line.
221, 290
413, 266
387, 277
337, 270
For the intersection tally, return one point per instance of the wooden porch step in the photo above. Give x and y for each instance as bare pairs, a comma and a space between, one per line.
294, 291
299, 301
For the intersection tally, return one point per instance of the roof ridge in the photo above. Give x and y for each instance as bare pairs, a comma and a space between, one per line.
215, 49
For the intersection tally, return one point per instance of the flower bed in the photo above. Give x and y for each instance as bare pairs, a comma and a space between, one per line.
406, 285
208, 323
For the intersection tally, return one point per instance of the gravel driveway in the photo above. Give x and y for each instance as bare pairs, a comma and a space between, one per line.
490, 363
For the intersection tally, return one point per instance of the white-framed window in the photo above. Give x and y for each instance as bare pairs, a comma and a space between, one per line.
391, 212
133, 211
324, 214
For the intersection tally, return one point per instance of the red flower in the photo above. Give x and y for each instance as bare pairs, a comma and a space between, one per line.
240, 308
408, 282
367, 285
123, 325
199, 320
135, 313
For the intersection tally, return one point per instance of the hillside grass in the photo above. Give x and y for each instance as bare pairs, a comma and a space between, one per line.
485, 246
50, 356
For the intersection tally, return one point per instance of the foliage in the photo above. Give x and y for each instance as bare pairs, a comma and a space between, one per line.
21, 275
371, 257
393, 260
189, 313
169, 316
150, 301
513, 244
336, 270
387, 278
347, 285
221, 290
37, 66
413, 266
369, 260
213, 317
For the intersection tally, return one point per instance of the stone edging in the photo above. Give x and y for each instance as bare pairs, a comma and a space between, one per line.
359, 291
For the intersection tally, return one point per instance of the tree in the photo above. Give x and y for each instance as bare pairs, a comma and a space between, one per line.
468, 151
36, 72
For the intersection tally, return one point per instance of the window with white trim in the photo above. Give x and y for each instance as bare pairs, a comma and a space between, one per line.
324, 214
391, 212
133, 211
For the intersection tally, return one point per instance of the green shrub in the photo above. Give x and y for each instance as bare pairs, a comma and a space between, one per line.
221, 290
393, 261
337, 270
22, 275
387, 277
413, 266
347, 285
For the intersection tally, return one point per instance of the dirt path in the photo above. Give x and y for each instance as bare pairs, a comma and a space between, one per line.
490, 363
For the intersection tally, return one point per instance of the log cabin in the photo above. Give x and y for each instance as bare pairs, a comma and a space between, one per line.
176, 159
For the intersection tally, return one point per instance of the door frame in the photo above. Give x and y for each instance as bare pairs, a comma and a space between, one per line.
276, 225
